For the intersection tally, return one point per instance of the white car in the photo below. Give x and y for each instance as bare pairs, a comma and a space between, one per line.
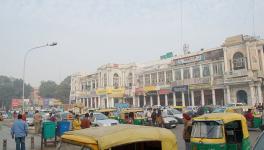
174, 113
102, 120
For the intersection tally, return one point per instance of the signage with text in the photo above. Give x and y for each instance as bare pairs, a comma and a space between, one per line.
183, 88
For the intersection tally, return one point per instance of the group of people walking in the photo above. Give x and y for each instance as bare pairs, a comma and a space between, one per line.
83, 123
154, 117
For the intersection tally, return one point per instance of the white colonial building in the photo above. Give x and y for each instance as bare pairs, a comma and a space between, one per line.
231, 73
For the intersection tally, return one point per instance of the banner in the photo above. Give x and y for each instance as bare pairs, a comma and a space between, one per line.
200, 86
17, 102
183, 88
150, 88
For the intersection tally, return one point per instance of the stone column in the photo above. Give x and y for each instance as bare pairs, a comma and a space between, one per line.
202, 95
248, 57
228, 95
166, 99
213, 96
99, 102
107, 102
201, 71
158, 98
226, 60
173, 75
260, 98
95, 102
91, 102
87, 102
144, 100
183, 99
138, 102
165, 77
191, 72
252, 94
112, 102
262, 59
151, 100
134, 101
192, 95
174, 98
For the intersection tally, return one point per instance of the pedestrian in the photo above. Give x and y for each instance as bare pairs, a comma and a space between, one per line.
24, 116
92, 117
249, 117
37, 122
86, 123
19, 131
187, 130
153, 117
159, 119
52, 117
14, 115
76, 124
148, 115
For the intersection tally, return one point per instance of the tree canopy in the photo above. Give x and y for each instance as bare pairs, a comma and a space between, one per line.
12, 88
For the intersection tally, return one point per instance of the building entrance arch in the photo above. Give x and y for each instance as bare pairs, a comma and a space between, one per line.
242, 96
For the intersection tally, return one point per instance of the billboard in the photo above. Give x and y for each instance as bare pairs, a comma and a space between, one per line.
17, 102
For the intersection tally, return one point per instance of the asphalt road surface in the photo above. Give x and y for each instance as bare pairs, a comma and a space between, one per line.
5, 134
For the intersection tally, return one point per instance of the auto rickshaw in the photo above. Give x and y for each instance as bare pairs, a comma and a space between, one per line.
109, 112
179, 108
128, 137
225, 131
132, 116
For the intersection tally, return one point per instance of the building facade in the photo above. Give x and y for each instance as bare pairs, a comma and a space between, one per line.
231, 73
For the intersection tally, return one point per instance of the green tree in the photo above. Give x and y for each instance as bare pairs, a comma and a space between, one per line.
63, 90
12, 88
47, 89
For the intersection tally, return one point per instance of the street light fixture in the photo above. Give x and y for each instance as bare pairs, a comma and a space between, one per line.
24, 67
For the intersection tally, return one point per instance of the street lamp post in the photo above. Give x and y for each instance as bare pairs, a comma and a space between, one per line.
24, 67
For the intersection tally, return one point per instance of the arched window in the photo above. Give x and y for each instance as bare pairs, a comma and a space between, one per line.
239, 61
130, 79
116, 81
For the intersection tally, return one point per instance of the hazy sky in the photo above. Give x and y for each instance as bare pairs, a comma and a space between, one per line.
91, 33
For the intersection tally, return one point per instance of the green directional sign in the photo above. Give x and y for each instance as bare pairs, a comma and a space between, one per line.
166, 56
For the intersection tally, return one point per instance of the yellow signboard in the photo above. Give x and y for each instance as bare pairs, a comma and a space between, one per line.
150, 88
102, 91
200, 86
120, 91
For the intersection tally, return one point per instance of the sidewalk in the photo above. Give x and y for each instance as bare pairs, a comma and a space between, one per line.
5, 134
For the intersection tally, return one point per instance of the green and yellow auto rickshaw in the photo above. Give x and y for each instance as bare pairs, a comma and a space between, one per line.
119, 137
220, 131
132, 116
109, 112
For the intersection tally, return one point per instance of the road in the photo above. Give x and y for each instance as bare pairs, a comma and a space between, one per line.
5, 134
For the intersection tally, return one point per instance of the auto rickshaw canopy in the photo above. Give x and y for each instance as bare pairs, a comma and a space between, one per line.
226, 118
132, 110
107, 137
107, 110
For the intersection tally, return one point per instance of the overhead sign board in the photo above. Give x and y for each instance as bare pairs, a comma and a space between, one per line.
190, 59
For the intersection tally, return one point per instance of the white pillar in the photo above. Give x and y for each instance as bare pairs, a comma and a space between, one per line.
112, 102
228, 94
174, 99
183, 99
202, 95
107, 102
262, 59
138, 102
134, 101
166, 99
201, 71
213, 96
91, 102
165, 77
252, 93
191, 72
260, 98
87, 102
226, 61
192, 95
158, 98
151, 100
95, 102
248, 57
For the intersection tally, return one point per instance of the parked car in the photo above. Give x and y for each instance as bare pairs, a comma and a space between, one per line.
102, 120
4, 115
173, 113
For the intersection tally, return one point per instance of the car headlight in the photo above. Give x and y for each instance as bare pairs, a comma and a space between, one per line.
166, 121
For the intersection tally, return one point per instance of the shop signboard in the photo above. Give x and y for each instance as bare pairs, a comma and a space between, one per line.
150, 93
200, 86
183, 88
190, 59
165, 91
150, 88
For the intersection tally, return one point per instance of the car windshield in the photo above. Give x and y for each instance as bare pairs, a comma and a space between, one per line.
174, 111
207, 129
100, 117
